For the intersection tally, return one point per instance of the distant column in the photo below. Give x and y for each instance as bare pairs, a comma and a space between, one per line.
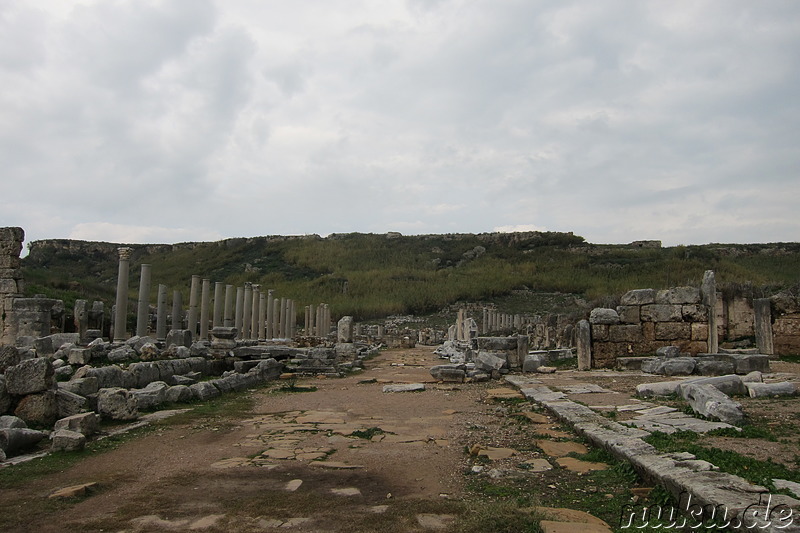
194, 294
120, 312
276, 314
282, 319
205, 297
247, 317
237, 321
763, 325
143, 309
708, 292
262, 316
219, 304
292, 318
311, 321
270, 314
177, 310
583, 343
227, 317
161, 314
254, 318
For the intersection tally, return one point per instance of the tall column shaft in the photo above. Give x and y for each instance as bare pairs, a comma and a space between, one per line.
276, 314
227, 320
219, 304
143, 309
262, 316
194, 294
270, 314
239, 318
282, 319
161, 314
177, 310
247, 316
121, 309
205, 297
254, 313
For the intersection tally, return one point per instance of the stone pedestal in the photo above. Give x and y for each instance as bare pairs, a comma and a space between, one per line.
223, 338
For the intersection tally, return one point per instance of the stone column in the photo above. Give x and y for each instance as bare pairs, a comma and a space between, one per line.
205, 297
191, 319
161, 314
282, 320
227, 319
583, 338
143, 308
460, 325
238, 320
254, 312
318, 328
312, 321
219, 304
307, 322
326, 323
763, 325
177, 310
276, 314
292, 318
270, 314
708, 293
262, 317
121, 311
247, 319
80, 313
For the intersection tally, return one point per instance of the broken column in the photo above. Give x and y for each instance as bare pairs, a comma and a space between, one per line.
763, 325
247, 313
708, 293
238, 319
121, 306
584, 345
177, 310
191, 318
161, 313
227, 320
219, 303
254, 312
143, 308
205, 296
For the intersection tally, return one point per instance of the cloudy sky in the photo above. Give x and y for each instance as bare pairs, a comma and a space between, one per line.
169, 121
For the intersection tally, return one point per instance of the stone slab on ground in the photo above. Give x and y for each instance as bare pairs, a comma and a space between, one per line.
576, 465
560, 449
404, 387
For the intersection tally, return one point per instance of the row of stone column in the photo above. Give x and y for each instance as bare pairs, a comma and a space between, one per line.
256, 315
494, 320
318, 321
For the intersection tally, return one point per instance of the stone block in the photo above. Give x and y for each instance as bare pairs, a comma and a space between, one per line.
710, 402
673, 366
179, 394
714, 367
638, 297
604, 354
38, 409
730, 384
5, 397
678, 295
661, 388
84, 423
694, 313
8, 421
670, 331
179, 337
661, 313
30, 376
79, 356
16, 440
600, 315
144, 373
699, 331
599, 332
497, 344
344, 329
625, 333
123, 354
786, 326
628, 314
746, 363
69, 403
533, 362
116, 403
488, 361
649, 331
151, 396
449, 373
82, 386
583, 343
766, 390
631, 363
9, 356
204, 391
65, 440
668, 351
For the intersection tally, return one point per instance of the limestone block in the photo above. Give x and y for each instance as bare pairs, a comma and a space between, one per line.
670, 331
668, 351
695, 313
8, 421
179, 394
678, 295
583, 343
116, 403
628, 314
151, 396
699, 331
85, 423
625, 333
786, 326
649, 331
600, 315
79, 356
15, 440
144, 373
709, 401
661, 313
179, 337
149, 352
204, 391
38, 409
123, 354
533, 362
604, 354
599, 332
110, 376
9, 356
449, 373
5, 397
729, 384
344, 329
30, 376
82, 386
497, 344
268, 369
198, 349
746, 363
753, 377
489, 361
673, 366
638, 297
65, 440
762, 390
69, 403
714, 367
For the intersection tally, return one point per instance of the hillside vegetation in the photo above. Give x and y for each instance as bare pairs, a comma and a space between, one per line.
376, 275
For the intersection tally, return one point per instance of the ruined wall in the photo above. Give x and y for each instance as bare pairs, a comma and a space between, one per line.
11, 283
647, 320
786, 323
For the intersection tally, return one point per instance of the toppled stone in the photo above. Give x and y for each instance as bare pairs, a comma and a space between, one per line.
674, 366
708, 401
714, 367
179, 394
79, 356
533, 361
66, 440
69, 403
82, 386
123, 354
9, 356
762, 390
753, 377
404, 387
39, 409
84, 423
449, 373
15, 440
11, 422
204, 391
117, 403
668, 351
30, 376
489, 361
179, 337
151, 396
5, 397
746, 363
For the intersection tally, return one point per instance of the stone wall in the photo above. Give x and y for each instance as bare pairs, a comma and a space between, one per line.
786, 323
647, 320
11, 283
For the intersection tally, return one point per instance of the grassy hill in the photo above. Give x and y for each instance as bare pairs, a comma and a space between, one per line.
375, 275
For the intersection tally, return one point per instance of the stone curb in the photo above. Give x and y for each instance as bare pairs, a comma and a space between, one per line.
680, 473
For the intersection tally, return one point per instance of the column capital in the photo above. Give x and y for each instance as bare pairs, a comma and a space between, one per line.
124, 253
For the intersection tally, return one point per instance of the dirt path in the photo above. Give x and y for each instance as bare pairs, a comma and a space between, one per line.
224, 472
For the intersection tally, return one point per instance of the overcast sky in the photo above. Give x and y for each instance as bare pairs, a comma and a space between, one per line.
169, 121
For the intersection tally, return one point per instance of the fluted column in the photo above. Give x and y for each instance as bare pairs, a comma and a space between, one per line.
239, 318
227, 319
161, 313
219, 304
121, 309
194, 294
143, 309
205, 296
